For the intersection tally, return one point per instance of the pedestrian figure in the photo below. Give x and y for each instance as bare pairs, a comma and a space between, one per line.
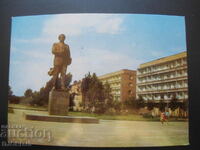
162, 117
167, 116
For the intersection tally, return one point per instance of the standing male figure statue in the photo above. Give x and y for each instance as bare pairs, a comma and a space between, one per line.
62, 59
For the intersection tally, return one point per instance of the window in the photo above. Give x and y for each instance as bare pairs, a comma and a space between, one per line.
131, 84
131, 77
130, 92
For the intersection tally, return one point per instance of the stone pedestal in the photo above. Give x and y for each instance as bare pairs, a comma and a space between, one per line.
58, 102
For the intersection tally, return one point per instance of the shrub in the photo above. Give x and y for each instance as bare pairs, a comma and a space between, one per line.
147, 115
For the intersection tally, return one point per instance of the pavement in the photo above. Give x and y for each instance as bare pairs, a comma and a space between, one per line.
108, 133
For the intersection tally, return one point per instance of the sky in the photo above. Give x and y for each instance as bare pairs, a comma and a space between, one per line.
100, 43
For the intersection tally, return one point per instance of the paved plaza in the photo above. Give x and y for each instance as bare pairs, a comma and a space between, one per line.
108, 133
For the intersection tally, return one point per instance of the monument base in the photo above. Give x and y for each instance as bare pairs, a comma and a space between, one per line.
58, 102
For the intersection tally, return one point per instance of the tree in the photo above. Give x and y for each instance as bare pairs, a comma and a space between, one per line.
161, 105
117, 105
85, 85
174, 103
184, 105
140, 102
150, 105
131, 103
106, 96
10, 92
35, 98
28, 93
95, 94
41, 97
71, 101
12, 98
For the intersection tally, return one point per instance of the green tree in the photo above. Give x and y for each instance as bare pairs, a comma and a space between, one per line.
117, 105
184, 105
12, 98
131, 103
95, 94
41, 97
85, 85
150, 105
174, 104
140, 102
35, 98
10, 92
107, 95
28, 93
161, 105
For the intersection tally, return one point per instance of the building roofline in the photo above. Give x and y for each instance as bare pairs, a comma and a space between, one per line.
156, 61
116, 73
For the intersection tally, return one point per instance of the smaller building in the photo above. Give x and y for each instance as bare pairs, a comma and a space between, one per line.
122, 83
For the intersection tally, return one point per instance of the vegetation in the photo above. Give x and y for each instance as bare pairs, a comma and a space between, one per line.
130, 117
97, 99
12, 98
41, 98
132, 103
162, 105
140, 102
28, 93
174, 103
96, 96
184, 105
150, 105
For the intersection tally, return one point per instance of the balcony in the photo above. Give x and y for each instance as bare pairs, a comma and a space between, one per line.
163, 81
162, 71
163, 91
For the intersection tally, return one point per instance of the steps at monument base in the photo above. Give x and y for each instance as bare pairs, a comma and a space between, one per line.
55, 118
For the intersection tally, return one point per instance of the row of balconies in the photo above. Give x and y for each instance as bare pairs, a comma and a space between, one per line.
162, 91
111, 79
180, 95
163, 71
152, 88
146, 98
162, 77
167, 85
170, 65
173, 80
115, 87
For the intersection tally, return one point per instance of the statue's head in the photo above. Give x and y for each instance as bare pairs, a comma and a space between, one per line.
61, 37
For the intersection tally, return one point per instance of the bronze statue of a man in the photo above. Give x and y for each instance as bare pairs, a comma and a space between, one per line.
62, 59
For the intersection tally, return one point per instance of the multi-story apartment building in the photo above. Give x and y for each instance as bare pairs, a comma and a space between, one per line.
122, 83
164, 78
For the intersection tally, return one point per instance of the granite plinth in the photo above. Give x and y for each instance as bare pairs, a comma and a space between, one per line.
58, 102
54, 118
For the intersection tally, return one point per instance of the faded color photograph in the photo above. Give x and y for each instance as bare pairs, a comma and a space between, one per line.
98, 80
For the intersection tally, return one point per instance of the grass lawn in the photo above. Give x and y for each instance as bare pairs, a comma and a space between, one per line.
130, 117
27, 107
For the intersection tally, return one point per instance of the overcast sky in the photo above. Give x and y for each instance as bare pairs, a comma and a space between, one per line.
100, 43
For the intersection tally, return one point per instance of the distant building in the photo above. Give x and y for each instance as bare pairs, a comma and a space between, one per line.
163, 78
122, 83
